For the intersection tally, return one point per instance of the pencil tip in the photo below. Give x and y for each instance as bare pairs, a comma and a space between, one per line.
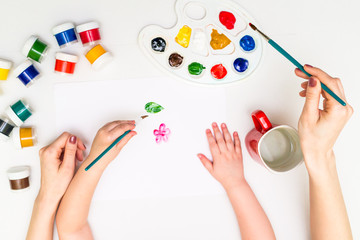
145, 116
252, 26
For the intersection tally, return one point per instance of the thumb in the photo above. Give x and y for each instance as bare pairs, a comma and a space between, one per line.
70, 153
206, 162
313, 92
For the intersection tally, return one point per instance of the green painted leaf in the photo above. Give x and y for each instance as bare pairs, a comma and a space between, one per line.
152, 107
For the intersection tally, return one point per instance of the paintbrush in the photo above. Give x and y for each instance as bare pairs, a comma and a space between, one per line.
113, 144
296, 63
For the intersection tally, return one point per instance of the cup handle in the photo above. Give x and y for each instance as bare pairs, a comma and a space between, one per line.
261, 121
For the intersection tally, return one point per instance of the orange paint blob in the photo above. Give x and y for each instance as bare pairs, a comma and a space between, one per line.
26, 137
218, 41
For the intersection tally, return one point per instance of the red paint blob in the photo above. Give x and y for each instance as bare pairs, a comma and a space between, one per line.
64, 67
227, 19
91, 35
218, 71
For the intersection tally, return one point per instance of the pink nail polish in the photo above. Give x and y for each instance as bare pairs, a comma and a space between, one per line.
73, 139
312, 82
309, 66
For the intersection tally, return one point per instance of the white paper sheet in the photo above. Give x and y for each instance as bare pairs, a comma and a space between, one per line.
145, 168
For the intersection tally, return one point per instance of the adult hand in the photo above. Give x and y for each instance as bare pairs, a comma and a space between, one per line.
227, 164
319, 129
58, 162
107, 135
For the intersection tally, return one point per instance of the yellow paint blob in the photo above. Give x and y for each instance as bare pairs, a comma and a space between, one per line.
218, 41
95, 53
26, 137
4, 73
183, 37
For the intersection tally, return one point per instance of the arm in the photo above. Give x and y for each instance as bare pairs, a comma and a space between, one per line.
74, 208
57, 169
227, 168
318, 130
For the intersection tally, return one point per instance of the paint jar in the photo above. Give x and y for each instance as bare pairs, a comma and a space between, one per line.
27, 73
19, 178
65, 63
5, 129
89, 33
65, 34
4, 68
98, 57
24, 137
35, 49
18, 112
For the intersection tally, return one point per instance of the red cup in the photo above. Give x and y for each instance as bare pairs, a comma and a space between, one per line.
276, 147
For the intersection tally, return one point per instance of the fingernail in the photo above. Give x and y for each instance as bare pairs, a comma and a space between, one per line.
73, 139
308, 65
214, 124
312, 82
223, 125
199, 156
207, 131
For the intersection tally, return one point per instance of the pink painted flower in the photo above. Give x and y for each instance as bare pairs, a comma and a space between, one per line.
162, 134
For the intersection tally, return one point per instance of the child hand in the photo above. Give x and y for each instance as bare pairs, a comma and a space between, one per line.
227, 165
319, 129
57, 162
107, 135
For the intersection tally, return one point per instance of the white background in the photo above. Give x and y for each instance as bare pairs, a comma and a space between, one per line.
321, 33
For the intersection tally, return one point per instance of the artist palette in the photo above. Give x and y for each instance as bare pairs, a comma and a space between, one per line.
211, 43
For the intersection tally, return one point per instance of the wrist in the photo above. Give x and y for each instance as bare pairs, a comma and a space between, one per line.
320, 165
235, 186
47, 202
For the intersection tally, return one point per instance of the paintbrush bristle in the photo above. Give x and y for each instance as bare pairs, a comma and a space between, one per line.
252, 26
145, 116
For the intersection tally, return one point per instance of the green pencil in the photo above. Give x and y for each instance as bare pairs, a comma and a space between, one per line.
296, 63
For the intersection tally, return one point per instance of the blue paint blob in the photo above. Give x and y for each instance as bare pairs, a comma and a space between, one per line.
241, 64
28, 75
247, 43
65, 37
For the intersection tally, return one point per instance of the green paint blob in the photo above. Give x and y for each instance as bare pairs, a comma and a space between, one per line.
37, 50
152, 107
21, 110
196, 68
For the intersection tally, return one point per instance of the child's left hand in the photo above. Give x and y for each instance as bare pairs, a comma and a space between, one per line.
227, 165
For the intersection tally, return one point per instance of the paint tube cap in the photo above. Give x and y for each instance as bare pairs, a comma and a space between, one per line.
5, 64
66, 57
15, 137
62, 28
28, 45
87, 26
102, 61
14, 118
18, 172
23, 66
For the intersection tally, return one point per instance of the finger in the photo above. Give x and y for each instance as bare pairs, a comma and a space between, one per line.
228, 140
121, 129
206, 162
302, 93
214, 148
68, 162
317, 72
237, 142
59, 144
111, 125
304, 85
219, 137
81, 145
125, 140
79, 155
299, 73
311, 106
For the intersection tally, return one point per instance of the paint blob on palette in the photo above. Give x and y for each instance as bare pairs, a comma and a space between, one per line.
210, 44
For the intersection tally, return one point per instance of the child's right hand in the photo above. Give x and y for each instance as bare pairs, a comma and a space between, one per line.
107, 135
227, 164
